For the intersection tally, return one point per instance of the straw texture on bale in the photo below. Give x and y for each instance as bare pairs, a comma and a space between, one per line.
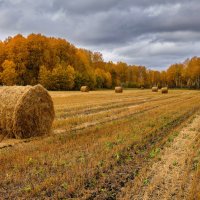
85, 89
164, 90
25, 111
154, 89
118, 89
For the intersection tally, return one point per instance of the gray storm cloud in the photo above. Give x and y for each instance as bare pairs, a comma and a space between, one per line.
151, 33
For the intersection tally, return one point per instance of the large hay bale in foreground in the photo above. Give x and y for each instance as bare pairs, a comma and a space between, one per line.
118, 89
154, 89
164, 90
25, 111
85, 89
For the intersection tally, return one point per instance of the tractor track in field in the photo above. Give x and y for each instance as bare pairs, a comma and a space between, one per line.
170, 177
115, 179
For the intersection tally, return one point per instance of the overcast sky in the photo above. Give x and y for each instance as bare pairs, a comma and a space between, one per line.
154, 33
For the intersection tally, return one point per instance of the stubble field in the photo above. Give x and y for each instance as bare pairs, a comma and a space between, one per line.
109, 146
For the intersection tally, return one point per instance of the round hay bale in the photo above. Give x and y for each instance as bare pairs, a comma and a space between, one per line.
118, 89
25, 111
142, 87
154, 89
85, 89
164, 90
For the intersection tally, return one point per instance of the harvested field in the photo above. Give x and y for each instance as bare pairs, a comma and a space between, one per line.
106, 146
170, 177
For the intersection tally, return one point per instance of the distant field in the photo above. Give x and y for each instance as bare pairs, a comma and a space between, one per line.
100, 143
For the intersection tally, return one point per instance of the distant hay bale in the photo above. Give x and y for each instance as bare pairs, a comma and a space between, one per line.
25, 111
118, 89
164, 90
154, 89
85, 89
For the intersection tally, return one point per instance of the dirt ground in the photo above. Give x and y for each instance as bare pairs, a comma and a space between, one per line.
170, 177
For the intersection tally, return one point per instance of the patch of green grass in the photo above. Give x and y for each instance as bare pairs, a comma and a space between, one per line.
146, 181
64, 185
154, 153
195, 164
109, 145
175, 163
173, 136
27, 188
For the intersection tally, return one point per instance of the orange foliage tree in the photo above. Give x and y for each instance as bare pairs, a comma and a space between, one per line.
59, 65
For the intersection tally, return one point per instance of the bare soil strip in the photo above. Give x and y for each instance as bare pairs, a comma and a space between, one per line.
168, 178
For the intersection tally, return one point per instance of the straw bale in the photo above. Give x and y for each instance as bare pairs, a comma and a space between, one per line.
164, 90
85, 89
154, 89
118, 89
25, 111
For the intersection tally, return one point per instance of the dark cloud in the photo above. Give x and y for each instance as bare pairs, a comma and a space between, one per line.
154, 33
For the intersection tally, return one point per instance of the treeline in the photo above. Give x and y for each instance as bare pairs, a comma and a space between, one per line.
58, 65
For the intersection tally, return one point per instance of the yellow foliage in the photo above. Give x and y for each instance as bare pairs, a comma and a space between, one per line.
9, 75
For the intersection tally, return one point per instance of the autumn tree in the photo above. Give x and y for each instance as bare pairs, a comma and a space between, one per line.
45, 77
154, 78
163, 79
175, 75
100, 78
2, 55
16, 51
61, 77
193, 72
142, 78
59, 65
9, 74
88, 78
108, 80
